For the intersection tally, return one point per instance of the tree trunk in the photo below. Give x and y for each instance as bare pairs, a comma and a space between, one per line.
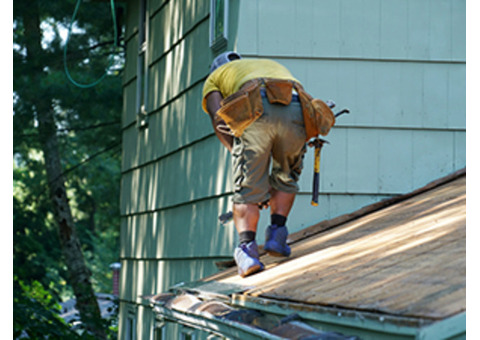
79, 274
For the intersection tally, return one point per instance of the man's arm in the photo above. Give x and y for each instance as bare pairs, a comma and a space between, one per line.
213, 104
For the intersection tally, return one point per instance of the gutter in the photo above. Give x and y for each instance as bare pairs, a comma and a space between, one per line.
222, 319
383, 326
246, 317
210, 324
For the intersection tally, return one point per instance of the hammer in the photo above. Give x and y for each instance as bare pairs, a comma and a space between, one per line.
318, 144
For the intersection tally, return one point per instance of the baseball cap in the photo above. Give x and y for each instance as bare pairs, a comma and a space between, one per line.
224, 58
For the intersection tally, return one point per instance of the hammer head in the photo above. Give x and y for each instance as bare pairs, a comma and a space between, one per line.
317, 142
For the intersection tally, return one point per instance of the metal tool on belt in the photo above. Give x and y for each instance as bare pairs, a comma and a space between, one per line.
318, 144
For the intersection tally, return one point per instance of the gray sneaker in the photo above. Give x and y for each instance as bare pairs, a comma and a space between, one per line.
247, 259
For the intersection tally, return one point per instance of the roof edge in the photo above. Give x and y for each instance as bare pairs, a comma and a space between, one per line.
378, 323
334, 222
239, 322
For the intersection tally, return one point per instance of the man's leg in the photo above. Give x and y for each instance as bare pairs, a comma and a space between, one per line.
245, 217
276, 234
281, 202
288, 151
246, 254
251, 159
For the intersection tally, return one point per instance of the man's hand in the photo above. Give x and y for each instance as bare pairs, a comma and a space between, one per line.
213, 104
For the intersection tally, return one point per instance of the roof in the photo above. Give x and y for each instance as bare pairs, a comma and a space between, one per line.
108, 304
401, 261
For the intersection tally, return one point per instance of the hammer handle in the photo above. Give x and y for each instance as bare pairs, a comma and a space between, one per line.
316, 175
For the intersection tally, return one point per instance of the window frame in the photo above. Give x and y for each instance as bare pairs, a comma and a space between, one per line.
142, 66
159, 328
188, 333
218, 40
131, 323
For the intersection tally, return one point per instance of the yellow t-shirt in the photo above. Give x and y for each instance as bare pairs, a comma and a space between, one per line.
229, 77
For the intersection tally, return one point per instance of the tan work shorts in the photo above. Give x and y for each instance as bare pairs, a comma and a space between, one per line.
277, 138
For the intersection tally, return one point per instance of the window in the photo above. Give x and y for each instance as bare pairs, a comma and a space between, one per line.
159, 330
187, 333
159, 334
131, 326
142, 66
218, 24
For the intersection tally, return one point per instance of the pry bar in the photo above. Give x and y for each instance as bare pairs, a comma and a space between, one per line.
342, 112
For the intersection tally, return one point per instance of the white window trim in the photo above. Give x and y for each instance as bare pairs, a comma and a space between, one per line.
142, 72
131, 328
217, 43
159, 325
187, 332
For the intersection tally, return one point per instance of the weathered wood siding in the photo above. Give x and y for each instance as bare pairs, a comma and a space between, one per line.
399, 66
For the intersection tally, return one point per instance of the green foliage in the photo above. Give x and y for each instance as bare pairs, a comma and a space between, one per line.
33, 229
35, 313
89, 134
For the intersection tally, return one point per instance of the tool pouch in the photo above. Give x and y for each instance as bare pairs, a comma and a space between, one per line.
317, 116
278, 91
245, 106
242, 108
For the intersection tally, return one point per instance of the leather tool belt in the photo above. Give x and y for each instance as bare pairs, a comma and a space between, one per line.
245, 106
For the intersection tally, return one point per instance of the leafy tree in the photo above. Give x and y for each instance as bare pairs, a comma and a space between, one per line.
66, 160
34, 313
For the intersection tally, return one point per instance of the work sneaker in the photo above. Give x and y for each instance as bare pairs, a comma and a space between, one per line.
247, 259
276, 241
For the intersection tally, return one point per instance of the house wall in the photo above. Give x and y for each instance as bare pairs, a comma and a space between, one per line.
172, 190
399, 66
